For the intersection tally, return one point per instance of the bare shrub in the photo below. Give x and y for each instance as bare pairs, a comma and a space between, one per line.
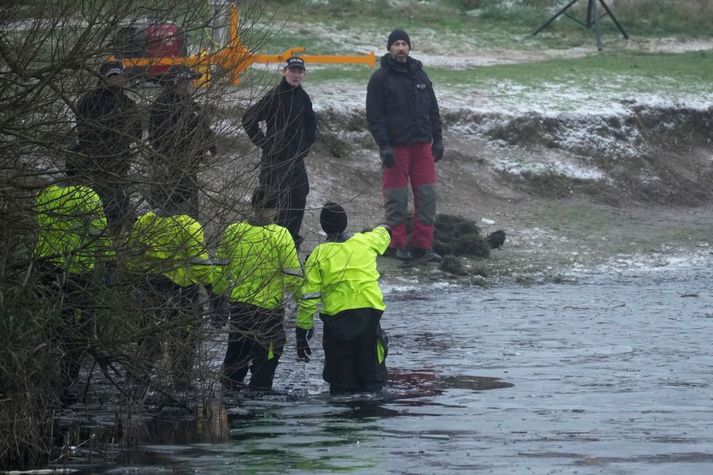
50, 52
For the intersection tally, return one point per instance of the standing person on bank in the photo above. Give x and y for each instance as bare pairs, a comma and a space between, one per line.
259, 261
341, 274
290, 128
402, 112
181, 137
108, 122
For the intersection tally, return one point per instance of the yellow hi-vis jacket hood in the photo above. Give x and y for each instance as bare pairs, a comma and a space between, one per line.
172, 246
260, 261
71, 228
343, 276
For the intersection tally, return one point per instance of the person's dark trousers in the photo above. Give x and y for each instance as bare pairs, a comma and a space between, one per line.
293, 186
352, 362
172, 321
412, 163
177, 195
107, 175
183, 198
116, 205
256, 342
74, 328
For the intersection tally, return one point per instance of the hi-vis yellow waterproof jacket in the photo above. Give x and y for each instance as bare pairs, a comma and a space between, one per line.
343, 276
260, 261
71, 228
172, 246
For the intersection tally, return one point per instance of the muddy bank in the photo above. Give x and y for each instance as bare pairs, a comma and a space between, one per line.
569, 190
652, 155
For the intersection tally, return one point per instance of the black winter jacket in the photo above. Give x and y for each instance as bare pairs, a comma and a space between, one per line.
290, 127
401, 107
108, 121
179, 132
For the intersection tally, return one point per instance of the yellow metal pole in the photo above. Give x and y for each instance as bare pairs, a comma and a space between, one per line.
234, 47
369, 59
237, 59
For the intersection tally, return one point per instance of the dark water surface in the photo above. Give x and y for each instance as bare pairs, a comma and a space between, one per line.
610, 373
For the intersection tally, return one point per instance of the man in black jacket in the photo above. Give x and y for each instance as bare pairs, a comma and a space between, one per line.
402, 112
108, 121
289, 134
181, 137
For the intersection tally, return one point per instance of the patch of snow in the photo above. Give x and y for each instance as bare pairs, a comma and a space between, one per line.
571, 170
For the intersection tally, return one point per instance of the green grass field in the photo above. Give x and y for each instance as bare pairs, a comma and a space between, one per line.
639, 17
444, 28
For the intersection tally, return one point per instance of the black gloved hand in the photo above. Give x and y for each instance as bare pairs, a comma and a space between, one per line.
217, 311
387, 157
303, 349
437, 150
264, 144
110, 273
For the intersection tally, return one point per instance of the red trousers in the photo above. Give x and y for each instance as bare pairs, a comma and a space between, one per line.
414, 163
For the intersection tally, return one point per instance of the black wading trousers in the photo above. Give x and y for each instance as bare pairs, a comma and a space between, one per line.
171, 322
73, 330
256, 341
352, 362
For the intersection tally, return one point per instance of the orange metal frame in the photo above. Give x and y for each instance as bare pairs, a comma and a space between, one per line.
237, 59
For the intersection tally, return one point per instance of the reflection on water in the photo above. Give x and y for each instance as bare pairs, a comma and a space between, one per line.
209, 425
612, 373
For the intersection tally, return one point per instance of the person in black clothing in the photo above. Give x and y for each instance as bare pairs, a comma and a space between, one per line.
403, 117
108, 122
181, 138
289, 134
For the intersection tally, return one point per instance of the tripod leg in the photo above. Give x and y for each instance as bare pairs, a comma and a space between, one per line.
547, 23
609, 12
597, 31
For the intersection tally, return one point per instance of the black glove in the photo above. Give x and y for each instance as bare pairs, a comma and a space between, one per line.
264, 145
437, 150
387, 157
109, 278
110, 273
303, 349
216, 311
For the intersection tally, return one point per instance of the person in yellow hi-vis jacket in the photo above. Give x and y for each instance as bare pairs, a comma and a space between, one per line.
168, 255
260, 262
341, 274
71, 245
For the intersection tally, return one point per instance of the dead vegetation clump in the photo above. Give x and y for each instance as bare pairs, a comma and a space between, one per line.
458, 236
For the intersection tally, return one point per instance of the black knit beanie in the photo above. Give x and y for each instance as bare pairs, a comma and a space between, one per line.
397, 35
333, 218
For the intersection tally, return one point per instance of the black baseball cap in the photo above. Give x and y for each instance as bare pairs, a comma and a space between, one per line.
294, 62
111, 68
